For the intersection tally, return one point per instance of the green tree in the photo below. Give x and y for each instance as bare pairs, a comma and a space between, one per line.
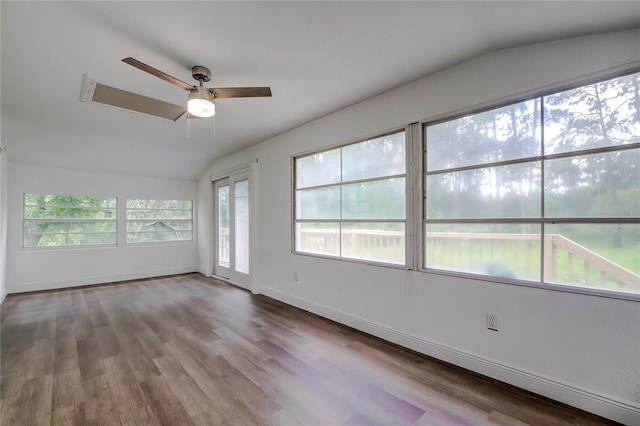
594, 116
68, 220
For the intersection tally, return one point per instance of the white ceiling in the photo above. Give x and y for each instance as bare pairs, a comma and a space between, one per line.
317, 57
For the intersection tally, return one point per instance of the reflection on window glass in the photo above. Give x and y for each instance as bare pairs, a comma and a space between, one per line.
379, 199
593, 116
497, 250
321, 203
500, 134
599, 185
503, 192
378, 241
322, 168
384, 156
318, 237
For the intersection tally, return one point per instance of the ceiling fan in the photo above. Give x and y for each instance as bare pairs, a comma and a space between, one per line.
200, 99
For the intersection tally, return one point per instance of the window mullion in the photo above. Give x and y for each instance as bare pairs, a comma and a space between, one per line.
543, 246
414, 198
341, 205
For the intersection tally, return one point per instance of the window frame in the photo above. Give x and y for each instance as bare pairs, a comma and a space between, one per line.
422, 173
153, 242
408, 220
26, 220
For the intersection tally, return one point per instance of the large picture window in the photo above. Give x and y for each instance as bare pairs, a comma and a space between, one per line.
68, 220
544, 190
350, 201
159, 220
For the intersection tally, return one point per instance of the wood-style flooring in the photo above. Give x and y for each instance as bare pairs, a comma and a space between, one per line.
190, 350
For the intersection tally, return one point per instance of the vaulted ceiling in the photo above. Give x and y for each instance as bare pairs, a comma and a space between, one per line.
317, 57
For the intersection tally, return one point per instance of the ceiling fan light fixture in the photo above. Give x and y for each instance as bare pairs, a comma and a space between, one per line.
201, 103
200, 99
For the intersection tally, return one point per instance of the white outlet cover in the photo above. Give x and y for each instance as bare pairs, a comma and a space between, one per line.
492, 321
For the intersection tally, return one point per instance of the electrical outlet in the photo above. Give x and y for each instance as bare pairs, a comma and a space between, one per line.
492, 321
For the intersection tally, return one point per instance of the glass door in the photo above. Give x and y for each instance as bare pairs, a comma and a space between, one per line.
232, 237
241, 225
222, 232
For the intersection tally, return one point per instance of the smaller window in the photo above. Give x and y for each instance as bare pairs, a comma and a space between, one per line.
159, 220
350, 202
68, 220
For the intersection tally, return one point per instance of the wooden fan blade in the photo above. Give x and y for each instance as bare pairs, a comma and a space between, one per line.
92, 91
241, 92
157, 73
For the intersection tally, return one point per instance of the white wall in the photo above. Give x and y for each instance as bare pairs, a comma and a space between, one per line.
30, 269
579, 349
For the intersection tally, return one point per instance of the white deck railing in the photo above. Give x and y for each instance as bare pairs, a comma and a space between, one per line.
518, 252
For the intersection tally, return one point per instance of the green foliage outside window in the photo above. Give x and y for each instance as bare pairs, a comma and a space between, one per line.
159, 220
68, 220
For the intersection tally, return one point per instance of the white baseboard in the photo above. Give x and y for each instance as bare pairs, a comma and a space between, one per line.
204, 271
54, 285
232, 282
2, 297
623, 411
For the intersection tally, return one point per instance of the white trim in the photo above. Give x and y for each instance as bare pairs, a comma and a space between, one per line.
55, 285
417, 205
3, 297
409, 191
611, 407
240, 168
234, 283
366, 138
566, 288
254, 236
220, 277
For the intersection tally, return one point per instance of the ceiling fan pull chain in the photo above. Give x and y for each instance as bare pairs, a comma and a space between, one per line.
214, 126
188, 127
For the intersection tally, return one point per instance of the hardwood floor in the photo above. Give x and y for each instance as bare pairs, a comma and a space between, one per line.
190, 350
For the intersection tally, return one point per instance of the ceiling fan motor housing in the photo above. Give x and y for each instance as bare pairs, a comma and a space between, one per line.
200, 99
201, 73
